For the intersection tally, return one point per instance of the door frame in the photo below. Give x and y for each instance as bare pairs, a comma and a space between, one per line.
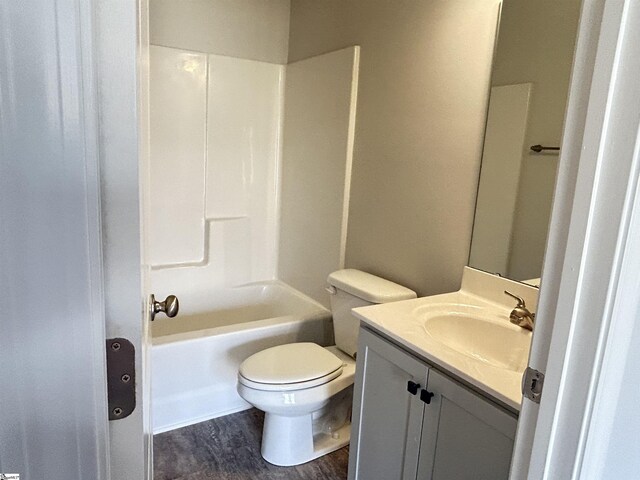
590, 238
119, 62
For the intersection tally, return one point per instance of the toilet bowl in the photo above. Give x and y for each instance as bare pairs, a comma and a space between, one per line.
298, 426
306, 390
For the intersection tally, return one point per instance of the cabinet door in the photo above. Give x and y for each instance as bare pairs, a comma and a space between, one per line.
387, 418
464, 436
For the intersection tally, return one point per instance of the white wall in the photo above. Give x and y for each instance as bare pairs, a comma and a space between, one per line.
424, 82
320, 113
251, 29
536, 45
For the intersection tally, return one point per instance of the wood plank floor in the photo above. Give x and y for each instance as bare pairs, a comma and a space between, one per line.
228, 448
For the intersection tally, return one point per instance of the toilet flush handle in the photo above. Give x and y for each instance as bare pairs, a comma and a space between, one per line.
331, 290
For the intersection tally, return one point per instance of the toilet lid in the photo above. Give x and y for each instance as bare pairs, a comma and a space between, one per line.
291, 363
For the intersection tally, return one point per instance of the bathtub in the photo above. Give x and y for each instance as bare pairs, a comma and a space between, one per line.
195, 356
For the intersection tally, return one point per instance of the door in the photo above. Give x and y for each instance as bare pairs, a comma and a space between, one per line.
464, 436
387, 418
582, 279
70, 268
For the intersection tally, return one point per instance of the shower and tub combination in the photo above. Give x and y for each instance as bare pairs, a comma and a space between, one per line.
251, 162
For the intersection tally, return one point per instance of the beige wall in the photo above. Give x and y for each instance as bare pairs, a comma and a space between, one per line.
536, 45
424, 82
250, 29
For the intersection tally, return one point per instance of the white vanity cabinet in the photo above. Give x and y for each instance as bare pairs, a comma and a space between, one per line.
412, 422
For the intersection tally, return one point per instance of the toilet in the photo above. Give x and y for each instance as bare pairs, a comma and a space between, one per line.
306, 390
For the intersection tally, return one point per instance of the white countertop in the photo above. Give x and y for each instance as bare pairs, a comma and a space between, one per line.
403, 323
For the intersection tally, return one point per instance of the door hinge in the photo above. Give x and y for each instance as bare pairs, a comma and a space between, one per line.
121, 378
532, 383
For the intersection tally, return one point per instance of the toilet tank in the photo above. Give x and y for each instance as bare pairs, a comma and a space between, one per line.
351, 289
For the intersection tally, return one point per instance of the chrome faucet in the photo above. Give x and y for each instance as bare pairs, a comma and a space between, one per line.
521, 315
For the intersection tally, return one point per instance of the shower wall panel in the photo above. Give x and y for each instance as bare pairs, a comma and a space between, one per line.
319, 126
215, 156
242, 164
175, 216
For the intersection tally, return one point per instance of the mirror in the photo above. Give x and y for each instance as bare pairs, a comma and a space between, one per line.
529, 88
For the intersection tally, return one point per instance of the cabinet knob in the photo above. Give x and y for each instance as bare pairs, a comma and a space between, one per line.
412, 387
426, 396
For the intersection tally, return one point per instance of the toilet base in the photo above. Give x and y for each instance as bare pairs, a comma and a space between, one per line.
288, 441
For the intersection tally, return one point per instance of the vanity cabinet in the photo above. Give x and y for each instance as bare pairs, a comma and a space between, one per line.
412, 422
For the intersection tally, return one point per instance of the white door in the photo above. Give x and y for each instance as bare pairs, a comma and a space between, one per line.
53, 415
589, 298
70, 267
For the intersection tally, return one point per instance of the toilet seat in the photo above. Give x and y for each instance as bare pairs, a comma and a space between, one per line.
294, 366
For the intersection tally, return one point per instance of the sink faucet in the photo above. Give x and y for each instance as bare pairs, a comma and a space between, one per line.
521, 315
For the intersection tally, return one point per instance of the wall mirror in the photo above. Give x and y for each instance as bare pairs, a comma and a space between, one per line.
529, 87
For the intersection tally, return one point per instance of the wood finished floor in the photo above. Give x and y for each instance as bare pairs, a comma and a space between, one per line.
228, 448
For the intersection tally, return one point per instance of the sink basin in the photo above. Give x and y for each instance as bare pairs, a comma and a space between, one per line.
489, 340
466, 334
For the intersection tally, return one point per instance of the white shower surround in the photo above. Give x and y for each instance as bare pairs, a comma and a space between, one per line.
215, 153
222, 158
214, 216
